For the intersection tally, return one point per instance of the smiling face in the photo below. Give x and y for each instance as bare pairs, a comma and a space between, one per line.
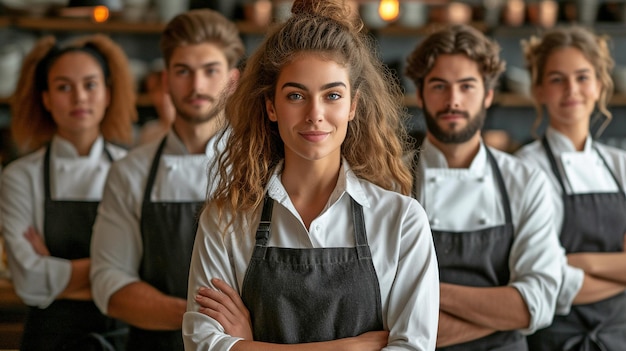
312, 106
454, 100
569, 88
196, 77
77, 95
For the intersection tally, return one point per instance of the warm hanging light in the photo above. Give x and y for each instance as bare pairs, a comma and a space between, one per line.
389, 10
100, 14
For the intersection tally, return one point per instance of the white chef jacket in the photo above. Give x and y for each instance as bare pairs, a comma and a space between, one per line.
116, 244
582, 172
468, 199
39, 280
398, 235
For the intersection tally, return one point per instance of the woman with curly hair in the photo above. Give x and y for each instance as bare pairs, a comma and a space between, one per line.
309, 238
571, 76
71, 103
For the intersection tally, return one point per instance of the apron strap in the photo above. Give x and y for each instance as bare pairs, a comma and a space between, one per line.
619, 186
360, 234
263, 230
506, 203
153, 172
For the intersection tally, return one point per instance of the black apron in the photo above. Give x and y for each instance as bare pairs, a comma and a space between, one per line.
593, 222
69, 324
480, 258
308, 295
168, 230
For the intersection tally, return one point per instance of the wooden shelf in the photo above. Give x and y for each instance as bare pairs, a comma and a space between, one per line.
66, 24
4, 21
82, 24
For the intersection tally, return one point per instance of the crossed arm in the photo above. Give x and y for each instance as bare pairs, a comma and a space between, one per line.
605, 274
78, 287
225, 306
468, 313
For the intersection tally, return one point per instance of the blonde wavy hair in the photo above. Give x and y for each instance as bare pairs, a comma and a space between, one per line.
453, 40
32, 125
594, 47
376, 137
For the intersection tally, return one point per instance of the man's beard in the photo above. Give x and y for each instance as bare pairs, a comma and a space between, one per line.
199, 118
475, 123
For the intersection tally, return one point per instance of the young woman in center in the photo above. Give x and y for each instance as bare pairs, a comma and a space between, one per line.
309, 223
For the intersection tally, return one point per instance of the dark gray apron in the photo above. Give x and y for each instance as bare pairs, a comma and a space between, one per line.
68, 324
168, 230
480, 258
307, 295
593, 222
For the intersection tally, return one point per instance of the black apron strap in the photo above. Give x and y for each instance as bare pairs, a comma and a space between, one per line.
153, 172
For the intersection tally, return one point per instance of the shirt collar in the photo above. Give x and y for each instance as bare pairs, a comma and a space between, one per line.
560, 143
432, 157
347, 182
175, 146
63, 148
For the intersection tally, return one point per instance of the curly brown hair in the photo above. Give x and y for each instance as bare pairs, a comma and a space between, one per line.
376, 138
32, 125
452, 40
594, 47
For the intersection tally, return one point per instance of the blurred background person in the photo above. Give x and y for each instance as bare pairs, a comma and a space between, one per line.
72, 101
571, 82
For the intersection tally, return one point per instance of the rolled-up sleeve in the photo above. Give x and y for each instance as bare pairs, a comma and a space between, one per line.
535, 260
37, 280
210, 259
116, 245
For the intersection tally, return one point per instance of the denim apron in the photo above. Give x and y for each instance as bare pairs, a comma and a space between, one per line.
593, 222
68, 324
480, 258
308, 295
168, 230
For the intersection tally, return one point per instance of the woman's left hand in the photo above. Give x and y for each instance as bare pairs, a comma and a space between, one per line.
225, 306
36, 241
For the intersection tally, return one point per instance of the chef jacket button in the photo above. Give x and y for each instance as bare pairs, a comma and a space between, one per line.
483, 220
171, 167
434, 221
481, 179
317, 227
434, 179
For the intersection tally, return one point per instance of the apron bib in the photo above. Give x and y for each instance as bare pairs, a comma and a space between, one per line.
593, 222
480, 258
308, 295
68, 324
168, 230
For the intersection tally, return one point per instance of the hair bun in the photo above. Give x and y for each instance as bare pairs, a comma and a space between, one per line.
336, 10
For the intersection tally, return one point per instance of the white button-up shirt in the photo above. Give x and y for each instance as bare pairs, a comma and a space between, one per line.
398, 235
116, 245
468, 199
582, 172
39, 280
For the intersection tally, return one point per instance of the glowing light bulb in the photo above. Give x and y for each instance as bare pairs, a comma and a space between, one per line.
389, 10
100, 14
